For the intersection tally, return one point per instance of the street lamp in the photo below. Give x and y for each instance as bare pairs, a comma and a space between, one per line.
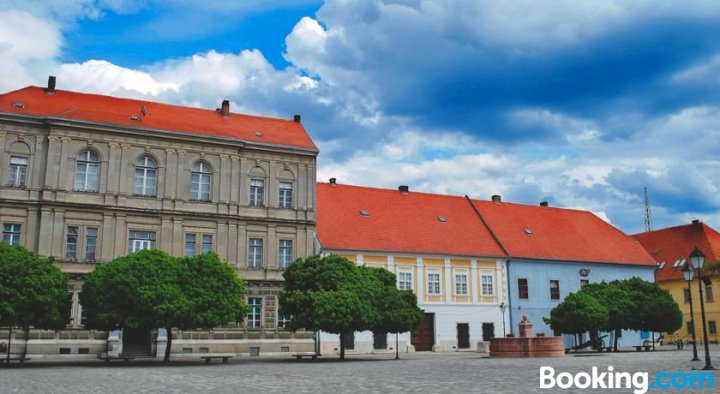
698, 260
503, 308
688, 274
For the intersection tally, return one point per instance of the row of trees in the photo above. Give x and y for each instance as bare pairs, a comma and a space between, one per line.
334, 295
150, 289
631, 304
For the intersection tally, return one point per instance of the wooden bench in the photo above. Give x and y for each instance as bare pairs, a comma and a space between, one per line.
125, 359
639, 347
224, 358
609, 349
21, 360
300, 355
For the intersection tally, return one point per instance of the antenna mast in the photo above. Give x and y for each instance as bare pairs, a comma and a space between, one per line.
648, 214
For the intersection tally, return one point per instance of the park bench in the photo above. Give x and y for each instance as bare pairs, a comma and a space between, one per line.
300, 355
107, 359
209, 358
639, 347
19, 359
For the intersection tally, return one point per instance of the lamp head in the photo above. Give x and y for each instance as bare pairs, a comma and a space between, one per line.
697, 258
688, 272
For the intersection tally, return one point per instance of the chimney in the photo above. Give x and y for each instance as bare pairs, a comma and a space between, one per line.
297, 118
51, 85
333, 181
543, 203
225, 110
496, 198
696, 221
404, 189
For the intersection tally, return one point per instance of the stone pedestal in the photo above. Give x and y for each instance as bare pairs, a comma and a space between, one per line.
525, 328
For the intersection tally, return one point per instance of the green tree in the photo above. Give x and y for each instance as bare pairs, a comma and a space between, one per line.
579, 312
398, 309
617, 300
33, 292
330, 294
653, 309
150, 289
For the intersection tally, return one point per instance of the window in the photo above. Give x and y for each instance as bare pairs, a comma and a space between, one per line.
91, 234
404, 280
71, 241
282, 321
257, 192
486, 281
686, 295
255, 250
189, 245
584, 283
690, 328
254, 318
207, 243
709, 297
712, 327
523, 290
86, 171
140, 240
285, 197
17, 173
11, 233
200, 178
433, 283
285, 253
145, 176
461, 286
554, 290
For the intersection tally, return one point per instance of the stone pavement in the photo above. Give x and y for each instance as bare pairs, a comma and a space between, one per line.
415, 373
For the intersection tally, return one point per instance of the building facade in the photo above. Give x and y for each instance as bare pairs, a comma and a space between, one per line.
88, 178
436, 247
553, 252
671, 247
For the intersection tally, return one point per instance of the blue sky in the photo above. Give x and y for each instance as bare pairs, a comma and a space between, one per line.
579, 103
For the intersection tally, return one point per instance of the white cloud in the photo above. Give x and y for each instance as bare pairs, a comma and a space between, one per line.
104, 77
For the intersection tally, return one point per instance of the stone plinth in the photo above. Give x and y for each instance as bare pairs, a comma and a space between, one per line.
527, 345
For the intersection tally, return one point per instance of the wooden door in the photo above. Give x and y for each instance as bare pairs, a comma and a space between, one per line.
423, 338
463, 336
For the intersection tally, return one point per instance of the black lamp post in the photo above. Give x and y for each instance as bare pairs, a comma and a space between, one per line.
698, 260
688, 274
503, 308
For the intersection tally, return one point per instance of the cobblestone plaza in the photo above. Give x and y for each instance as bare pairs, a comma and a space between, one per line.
416, 372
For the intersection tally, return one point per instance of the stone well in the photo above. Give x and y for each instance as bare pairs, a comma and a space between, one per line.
527, 345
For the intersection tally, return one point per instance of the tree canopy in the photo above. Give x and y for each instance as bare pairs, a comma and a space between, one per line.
631, 304
150, 289
33, 291
334, 295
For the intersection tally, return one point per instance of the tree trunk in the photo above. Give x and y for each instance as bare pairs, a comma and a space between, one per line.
342, 346
168, 345
27, 338
7, 359
617, 335
397, 349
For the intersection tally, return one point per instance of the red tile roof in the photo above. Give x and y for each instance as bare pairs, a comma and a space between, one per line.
536, 232
399, 223
674, 243
117, 111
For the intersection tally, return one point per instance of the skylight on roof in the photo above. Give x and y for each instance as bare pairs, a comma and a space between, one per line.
528, 232
258, 134
442, 219
364, 213
679, 263
19, 105
661, 265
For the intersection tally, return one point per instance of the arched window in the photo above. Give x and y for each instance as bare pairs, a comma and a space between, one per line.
86, 171
200, 181
145, 176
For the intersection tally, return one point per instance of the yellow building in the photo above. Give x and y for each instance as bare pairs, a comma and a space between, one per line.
671, 247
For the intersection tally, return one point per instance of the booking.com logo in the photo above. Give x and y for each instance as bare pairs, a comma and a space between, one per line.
639, 381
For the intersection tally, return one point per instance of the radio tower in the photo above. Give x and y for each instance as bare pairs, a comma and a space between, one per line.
648, 214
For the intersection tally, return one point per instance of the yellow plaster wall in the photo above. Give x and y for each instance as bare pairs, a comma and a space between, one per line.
712, 309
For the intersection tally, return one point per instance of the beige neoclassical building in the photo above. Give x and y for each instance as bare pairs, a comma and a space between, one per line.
87, 178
